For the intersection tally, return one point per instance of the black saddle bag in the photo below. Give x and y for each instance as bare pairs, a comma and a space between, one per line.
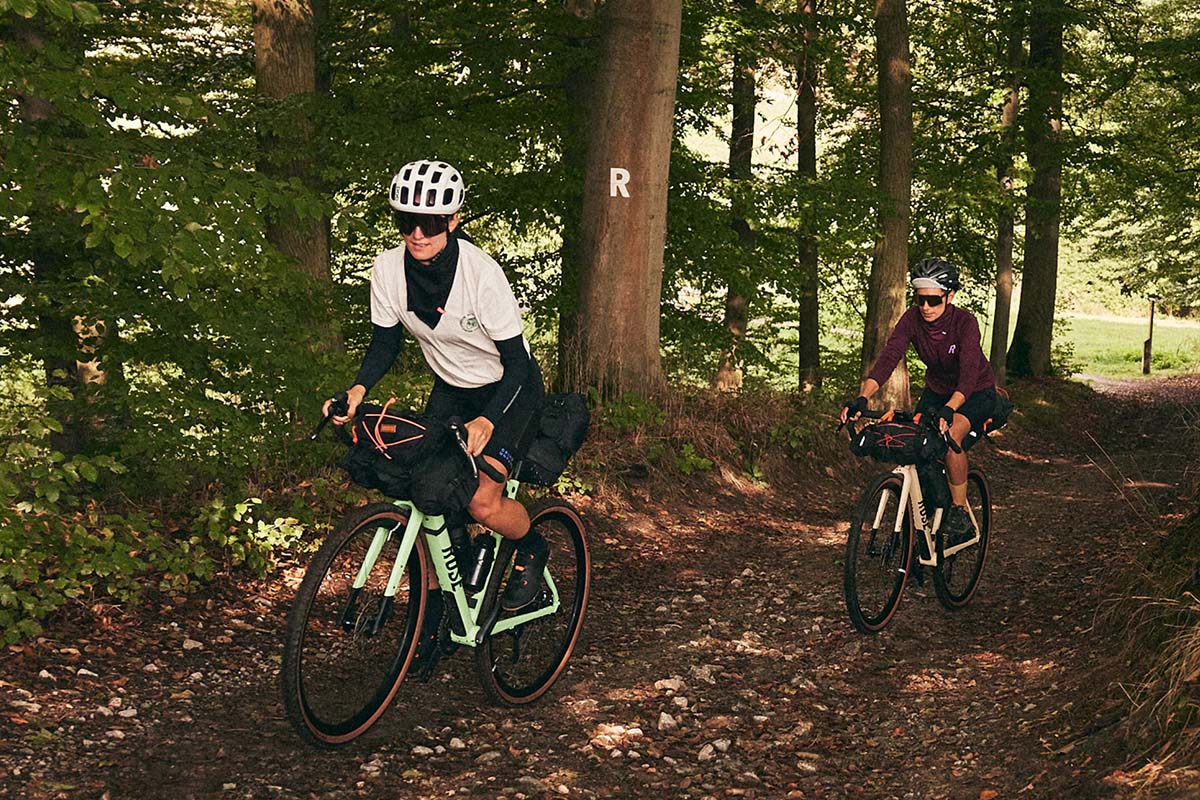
562, 429
1004, 409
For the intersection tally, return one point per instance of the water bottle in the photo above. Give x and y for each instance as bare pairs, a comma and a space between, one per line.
485, 547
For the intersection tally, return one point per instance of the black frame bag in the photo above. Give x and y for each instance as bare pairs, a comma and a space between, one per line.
443, 484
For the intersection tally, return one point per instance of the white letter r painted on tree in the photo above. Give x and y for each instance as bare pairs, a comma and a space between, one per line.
617, 178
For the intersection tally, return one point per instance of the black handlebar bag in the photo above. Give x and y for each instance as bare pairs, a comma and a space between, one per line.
388, 444
898, 440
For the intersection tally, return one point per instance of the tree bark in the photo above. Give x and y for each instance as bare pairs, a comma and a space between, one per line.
741, 168
806, 127
622, 237
576, 85
286, 69
1029, 354
887, 294
1014, 60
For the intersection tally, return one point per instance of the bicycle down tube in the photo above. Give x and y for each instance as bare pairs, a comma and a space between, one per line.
442, 556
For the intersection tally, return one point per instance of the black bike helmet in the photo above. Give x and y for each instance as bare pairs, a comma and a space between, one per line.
935, 273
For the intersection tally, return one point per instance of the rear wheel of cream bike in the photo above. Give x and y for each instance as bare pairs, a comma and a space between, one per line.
957, 576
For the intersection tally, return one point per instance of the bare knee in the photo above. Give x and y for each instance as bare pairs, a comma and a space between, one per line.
484, 506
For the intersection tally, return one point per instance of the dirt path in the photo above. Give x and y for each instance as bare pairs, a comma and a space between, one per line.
730, 621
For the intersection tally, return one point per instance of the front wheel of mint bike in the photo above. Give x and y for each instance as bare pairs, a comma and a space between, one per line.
347, 650
957, 576
518, 666
878, 551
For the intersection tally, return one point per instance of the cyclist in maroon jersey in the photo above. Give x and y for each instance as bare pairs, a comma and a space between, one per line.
960, 387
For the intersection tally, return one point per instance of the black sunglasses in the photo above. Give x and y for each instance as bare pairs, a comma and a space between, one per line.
928, 299
430, 224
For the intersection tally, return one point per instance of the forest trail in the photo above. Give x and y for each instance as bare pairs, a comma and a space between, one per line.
723, 612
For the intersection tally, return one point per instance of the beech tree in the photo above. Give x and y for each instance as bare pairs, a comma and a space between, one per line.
887, 294
1029, 354
286, 71
741, 168
1014, 60
806, 155
625, 198
576, 85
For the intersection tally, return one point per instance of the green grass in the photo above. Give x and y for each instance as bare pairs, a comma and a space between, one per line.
1112, 347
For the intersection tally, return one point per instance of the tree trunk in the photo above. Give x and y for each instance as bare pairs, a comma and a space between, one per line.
576, 85
286, 69
806, 126
1015, 61
48, 249
1029, 354
622, 237
741, 168
887, 294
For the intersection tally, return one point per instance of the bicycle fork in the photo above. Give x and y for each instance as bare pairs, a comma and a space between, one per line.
384, 612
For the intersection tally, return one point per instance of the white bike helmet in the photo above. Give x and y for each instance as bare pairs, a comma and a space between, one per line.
427, 187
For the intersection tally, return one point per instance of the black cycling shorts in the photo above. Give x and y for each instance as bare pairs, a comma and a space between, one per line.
979, 408
446, 401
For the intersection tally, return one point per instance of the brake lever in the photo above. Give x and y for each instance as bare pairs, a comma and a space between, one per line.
339, 404
456, 427
477, 462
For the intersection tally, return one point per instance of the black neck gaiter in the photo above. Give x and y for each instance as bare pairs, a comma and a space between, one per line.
428, 285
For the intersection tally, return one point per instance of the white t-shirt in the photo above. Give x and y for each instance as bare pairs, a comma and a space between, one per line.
480, 311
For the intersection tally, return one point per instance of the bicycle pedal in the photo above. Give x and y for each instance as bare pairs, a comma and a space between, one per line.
426, 670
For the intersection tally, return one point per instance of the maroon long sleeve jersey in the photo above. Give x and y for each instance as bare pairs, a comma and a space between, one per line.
949, 346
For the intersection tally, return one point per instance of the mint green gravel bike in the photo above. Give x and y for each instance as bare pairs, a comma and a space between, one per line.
351, 648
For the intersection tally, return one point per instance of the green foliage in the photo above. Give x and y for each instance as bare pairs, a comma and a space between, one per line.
687, 460
1139, 184
628, 412
55, 551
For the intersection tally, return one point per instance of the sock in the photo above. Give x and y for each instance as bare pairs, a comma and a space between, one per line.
958, 492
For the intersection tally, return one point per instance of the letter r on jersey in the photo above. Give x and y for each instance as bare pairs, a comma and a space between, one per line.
617, 178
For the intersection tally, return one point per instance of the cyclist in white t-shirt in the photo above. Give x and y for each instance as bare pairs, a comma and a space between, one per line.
457, 303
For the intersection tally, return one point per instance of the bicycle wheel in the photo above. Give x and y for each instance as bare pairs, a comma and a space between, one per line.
877, 556
957, 576
347, 651
518, 666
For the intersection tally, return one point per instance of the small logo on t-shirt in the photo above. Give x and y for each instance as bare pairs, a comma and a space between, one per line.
469, 323
953, 347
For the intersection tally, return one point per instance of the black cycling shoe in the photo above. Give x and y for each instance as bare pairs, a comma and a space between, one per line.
957, 526
526, 579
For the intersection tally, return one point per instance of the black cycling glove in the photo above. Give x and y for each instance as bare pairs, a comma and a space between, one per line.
856, 406
945, 413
